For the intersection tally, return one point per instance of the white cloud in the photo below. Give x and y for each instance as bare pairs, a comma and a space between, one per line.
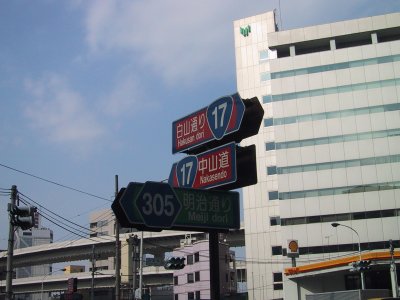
61, 114
180, 40
126, 98
186, 41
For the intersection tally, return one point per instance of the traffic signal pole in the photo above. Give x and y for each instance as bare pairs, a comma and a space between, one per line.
117, 251
10, 251
213, 237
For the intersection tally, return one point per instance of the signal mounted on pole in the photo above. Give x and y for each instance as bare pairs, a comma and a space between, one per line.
22, 216
364, 265
175, 263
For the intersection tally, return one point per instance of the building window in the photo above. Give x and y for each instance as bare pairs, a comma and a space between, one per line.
241, 275
196, 257
197, 276
176, 297
277, 277
102, 223
175, 280
189, 260
269, 146
271, 170
335, 90
198, 295
268, 122
273, 195
191, 296
276, 250
263, 55
274, 221
267, 99
190, 278
265, 76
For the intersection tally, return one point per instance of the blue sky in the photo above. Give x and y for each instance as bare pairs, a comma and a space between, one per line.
89, 89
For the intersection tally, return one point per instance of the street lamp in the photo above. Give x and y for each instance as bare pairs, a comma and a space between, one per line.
359, 251
44, 277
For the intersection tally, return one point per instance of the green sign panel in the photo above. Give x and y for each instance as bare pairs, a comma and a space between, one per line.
159, 206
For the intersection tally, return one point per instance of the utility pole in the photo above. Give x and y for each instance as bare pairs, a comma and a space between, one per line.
141, 267
393, 272
10, 251
117, 251
93, 270
133, 241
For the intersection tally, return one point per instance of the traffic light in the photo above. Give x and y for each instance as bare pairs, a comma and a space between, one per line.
175, 263
364, 265
22, 216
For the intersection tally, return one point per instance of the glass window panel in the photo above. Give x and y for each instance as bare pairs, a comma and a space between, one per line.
346, 113
332, 90
263, 54
265, 76
267, 98
392, 107
343, 217
269, 146
274, 221
291, 120
271, 170
373, 85
277, 277
268, 122
325, 192
273, 195
276, 250
358, 215
328, 218
388, 213
189, 260
373, 214
314, 219
315, 93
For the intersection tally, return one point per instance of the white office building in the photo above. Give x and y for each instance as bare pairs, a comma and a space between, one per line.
329, 148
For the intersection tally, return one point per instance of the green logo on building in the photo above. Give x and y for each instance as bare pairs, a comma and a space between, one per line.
245, 31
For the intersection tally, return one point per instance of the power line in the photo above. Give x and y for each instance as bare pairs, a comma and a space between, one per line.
58, 222
55, 183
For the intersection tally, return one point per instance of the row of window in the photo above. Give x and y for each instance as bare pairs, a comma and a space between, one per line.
272, 170
278, 250
332, 90
99, 224
275, 195
338, 66
362, 215
332, 114
337, 42
278, 281
190, 259
340, 190
332, 139
191, 296
191, 278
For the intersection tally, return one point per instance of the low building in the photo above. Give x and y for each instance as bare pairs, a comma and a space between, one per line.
193, 281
